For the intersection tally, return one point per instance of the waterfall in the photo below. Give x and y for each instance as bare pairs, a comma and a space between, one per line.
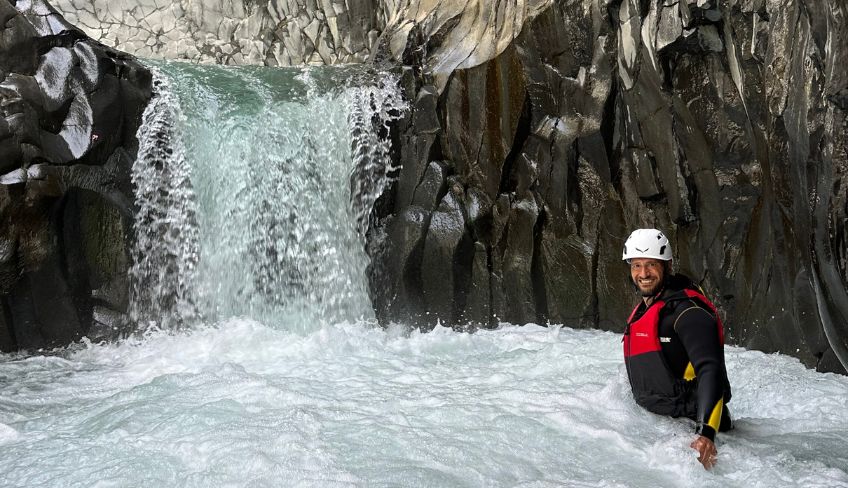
251, 184
372, 110
165, 253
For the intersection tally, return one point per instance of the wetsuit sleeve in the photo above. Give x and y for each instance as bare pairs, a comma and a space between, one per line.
698, 334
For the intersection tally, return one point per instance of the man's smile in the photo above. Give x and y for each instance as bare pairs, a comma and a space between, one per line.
647, 275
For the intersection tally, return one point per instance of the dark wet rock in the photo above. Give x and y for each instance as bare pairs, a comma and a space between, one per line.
396, 264
440, 257
69, 111
417, 150
723, 123
514, 250
478, 302
432, 186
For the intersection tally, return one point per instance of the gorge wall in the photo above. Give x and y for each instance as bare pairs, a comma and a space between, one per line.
69, 110
723, 123
543, 132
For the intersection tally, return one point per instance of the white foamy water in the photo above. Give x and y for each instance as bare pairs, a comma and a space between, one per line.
245, 404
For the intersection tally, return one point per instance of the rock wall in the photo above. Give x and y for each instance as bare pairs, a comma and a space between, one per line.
723, 123
69, 110
544, 131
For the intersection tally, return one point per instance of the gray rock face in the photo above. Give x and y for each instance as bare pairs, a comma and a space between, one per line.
723, 123
269, 32
69, 110
298, 32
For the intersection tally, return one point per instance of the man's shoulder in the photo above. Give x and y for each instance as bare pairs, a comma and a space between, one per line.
678, 282
691, 304
676, 298
675, 290
689, 311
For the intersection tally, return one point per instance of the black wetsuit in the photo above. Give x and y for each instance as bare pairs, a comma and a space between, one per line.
693, 352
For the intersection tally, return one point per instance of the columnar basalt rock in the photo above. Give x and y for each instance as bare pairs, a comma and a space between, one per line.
69, 111
723, 123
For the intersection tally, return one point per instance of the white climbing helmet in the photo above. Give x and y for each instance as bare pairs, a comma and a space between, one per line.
647, 243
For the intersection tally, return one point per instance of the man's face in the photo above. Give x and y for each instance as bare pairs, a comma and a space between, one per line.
647, 275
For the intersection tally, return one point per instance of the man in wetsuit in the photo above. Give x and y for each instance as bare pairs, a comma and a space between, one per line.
674, 344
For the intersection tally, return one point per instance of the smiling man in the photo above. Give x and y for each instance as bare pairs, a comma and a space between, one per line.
674, 344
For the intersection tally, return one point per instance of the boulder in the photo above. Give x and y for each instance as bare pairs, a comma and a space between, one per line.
69, 113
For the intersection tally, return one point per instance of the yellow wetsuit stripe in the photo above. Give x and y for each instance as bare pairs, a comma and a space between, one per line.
689, 374
715, 417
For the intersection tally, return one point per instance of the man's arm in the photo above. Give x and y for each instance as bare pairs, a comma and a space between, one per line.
698, 333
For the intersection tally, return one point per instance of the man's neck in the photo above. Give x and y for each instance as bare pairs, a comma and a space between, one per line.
651, 299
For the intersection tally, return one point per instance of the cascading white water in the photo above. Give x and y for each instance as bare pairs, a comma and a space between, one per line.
373, 109
270, 162
165, 253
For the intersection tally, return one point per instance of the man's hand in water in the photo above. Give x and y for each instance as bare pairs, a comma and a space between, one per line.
707, 453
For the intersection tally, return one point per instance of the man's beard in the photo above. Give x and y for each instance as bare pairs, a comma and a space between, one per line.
651, 291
